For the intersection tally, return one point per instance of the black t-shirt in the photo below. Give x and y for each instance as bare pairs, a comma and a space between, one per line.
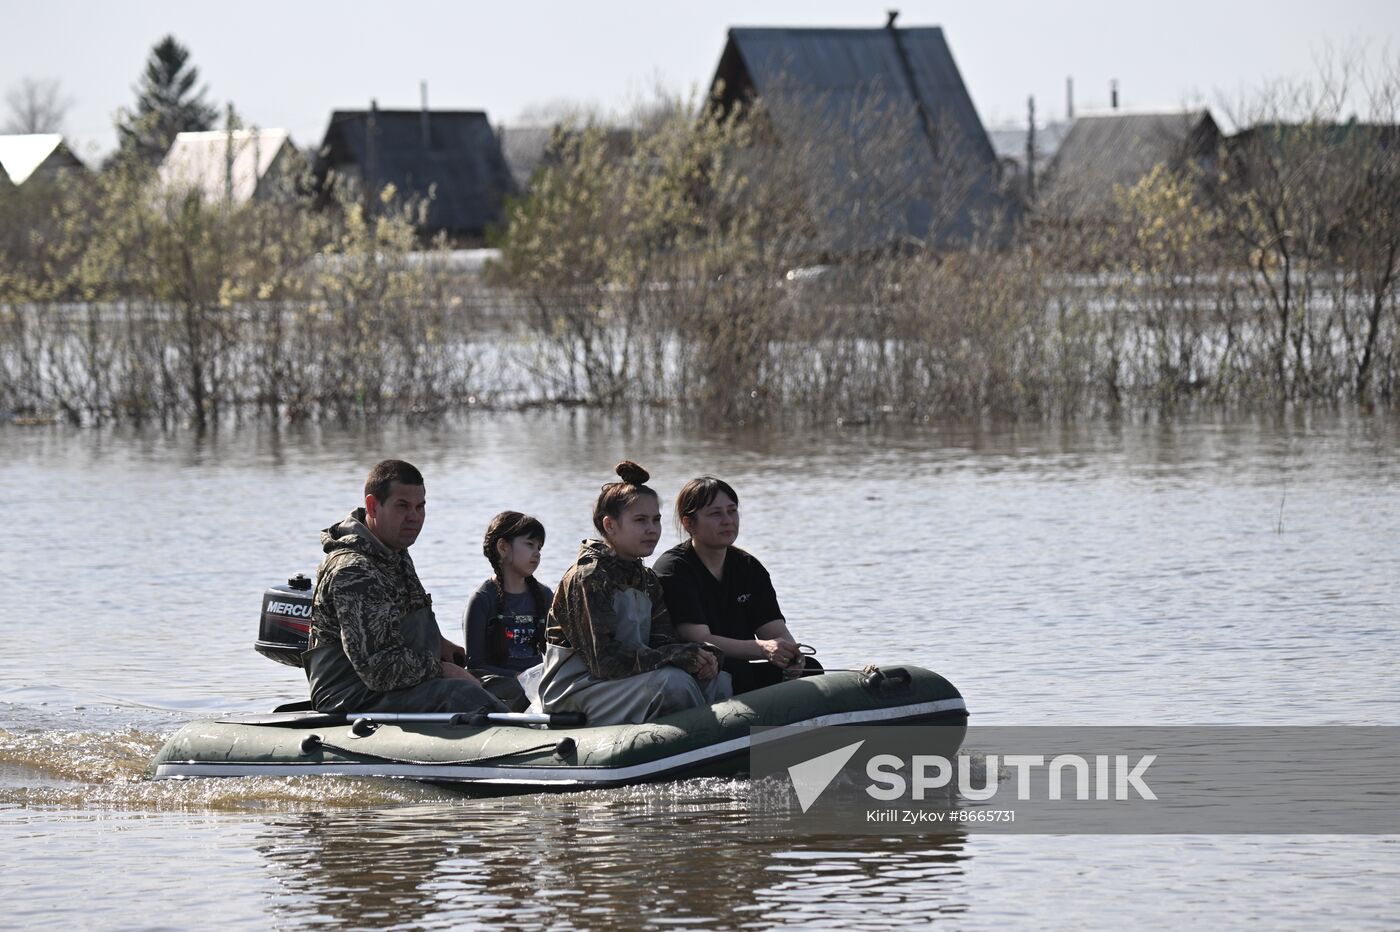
733, 607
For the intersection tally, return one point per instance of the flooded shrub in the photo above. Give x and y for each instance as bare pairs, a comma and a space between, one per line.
132, 302
702, 260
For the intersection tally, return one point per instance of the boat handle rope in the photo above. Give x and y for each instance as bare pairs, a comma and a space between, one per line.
478, 719
872, 677
313, 743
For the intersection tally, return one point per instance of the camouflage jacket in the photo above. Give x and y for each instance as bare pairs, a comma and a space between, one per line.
363, 592
586, 616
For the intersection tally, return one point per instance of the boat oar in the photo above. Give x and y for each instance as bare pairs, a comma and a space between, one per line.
552, 719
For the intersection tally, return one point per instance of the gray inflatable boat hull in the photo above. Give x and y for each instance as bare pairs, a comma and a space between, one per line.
504, 759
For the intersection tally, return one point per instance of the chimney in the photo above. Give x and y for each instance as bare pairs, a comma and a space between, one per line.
423, 119
1069, 99
1113, 94
890, 17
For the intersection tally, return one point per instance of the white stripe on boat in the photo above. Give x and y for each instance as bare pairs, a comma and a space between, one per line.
558, 776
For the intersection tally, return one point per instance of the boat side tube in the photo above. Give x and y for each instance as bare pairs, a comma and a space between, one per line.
492, 758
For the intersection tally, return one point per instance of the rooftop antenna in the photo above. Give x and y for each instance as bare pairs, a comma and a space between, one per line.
924, 118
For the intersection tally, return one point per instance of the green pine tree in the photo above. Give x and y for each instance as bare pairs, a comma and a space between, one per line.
166, 103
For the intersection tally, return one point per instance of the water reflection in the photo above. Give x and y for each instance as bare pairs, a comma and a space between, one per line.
1197, 569
674, 855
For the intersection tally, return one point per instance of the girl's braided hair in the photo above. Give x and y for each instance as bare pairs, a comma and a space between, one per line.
507, 526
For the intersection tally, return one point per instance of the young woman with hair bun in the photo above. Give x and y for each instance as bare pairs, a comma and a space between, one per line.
722, 595
610, 649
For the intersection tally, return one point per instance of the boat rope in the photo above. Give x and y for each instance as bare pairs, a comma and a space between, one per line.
312, 743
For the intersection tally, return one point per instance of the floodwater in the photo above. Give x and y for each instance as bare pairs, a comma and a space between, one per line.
1202, 570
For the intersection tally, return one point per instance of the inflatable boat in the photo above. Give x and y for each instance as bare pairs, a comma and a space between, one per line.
507, 754
504, 753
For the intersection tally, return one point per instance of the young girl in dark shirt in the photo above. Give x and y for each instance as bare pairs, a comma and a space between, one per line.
504, 621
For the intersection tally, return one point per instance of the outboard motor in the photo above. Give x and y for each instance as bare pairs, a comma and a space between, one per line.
285, 626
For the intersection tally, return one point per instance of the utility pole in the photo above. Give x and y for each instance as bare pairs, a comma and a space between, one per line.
371, 158
229, 122
1030, 148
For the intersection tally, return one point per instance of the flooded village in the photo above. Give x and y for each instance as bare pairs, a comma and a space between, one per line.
1064, 428
827, 231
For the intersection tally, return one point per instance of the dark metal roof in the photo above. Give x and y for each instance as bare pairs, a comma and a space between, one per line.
835, 79
1102, 151
460, 161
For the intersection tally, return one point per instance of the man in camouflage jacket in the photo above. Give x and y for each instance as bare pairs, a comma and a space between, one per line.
375, 644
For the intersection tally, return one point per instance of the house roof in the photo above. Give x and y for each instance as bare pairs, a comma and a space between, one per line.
1385, 135
527, 149
850, 83
22, 154
201, 161
1104, 150
524, 149
459, 161
1009, 142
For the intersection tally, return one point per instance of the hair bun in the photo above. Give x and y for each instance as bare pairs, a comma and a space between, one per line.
632, 474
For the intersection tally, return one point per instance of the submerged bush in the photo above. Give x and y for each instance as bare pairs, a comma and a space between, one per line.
700, 270
698, 262
131, 302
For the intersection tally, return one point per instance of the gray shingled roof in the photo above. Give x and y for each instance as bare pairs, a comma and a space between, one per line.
1009, 142
1102, 151
528, 149
524, 149
834, 79
461, 162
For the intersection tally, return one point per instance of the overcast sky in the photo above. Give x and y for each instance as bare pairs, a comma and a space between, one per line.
288, 64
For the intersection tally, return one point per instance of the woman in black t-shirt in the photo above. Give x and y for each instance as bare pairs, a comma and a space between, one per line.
721, 595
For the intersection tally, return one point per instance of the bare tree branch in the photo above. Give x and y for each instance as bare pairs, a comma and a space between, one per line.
37, 105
